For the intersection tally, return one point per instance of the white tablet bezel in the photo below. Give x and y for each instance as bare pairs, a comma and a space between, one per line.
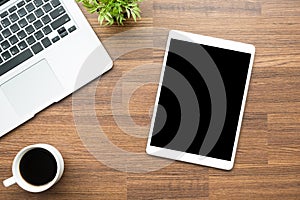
188, 157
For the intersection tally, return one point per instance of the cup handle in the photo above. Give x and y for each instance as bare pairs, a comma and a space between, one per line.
8, 182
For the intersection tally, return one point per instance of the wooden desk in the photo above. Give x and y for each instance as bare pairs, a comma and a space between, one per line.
268, 157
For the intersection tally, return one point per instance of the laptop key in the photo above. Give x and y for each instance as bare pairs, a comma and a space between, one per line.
46, 19
39, 12
55, 39
1, 61
22, 12
20, 4
14, 50
4, 14
6, 33
38, 24
30, 40
12, 9
29, 29
14, 17
6, 55
23, 23
62, 32
5, 45
47, 7
46, 42
38, 35
22, 45
14, 28
57, 12
13, 40
29, 7
5, 22
47, 30
31, 18
21, 34
60, 21
38, 3
37, 48
71, 29
1, 38
55, 3
15, 61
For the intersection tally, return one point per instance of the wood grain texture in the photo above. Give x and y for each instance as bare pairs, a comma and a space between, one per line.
268, 157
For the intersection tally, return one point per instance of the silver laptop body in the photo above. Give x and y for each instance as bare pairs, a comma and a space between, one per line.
47, 51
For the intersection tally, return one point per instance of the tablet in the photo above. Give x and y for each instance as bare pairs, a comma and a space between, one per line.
200, 101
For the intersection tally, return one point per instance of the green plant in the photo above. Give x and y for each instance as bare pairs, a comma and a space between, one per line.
111, 11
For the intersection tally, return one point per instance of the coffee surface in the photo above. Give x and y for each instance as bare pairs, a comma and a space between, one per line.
38, 167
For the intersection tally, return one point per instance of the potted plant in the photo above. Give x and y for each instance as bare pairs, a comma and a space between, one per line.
113, 11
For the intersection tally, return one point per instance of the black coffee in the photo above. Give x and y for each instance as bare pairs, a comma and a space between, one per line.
38, 167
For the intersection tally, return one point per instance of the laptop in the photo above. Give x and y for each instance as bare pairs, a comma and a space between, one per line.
47, 51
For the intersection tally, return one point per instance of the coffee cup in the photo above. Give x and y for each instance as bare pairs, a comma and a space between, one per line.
36, 168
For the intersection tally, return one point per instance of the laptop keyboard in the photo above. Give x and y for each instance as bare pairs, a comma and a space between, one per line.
29, 27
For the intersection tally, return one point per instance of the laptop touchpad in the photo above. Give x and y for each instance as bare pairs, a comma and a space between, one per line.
33, 90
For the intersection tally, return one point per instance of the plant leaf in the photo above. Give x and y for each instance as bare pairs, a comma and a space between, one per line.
113, 11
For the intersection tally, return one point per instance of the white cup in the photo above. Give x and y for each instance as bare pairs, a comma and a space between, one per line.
17, 177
